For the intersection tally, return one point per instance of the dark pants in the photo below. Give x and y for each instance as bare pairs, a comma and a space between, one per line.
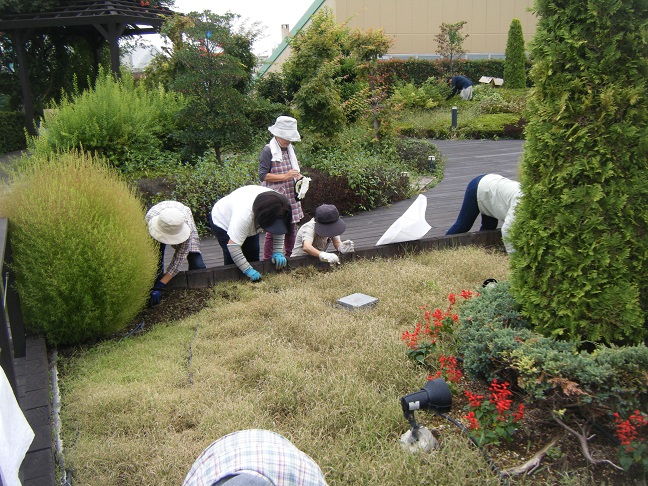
470, 210
194, 259
289, 242
250, 246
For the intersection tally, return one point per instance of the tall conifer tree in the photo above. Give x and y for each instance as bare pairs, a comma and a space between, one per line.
514, 64
580, 269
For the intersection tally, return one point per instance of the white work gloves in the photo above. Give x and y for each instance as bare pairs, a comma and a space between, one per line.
329, 257
346, 247
301, 187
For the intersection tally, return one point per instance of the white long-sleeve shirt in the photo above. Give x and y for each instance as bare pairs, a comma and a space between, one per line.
497, 197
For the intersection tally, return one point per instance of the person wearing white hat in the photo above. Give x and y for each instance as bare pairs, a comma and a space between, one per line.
314, 237
172, 223
279, 170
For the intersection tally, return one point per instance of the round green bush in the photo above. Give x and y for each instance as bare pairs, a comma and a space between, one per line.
83, 257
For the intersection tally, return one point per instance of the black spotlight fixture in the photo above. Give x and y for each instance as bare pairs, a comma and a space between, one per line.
434, 396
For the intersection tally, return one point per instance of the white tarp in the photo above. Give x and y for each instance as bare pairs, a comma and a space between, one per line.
410, 226
15, 434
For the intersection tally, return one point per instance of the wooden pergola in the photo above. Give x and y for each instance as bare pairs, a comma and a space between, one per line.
95, 20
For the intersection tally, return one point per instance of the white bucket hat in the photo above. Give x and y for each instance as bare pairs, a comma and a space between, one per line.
169, 227
285, 127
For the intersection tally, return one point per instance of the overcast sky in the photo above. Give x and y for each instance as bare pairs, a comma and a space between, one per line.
270, 13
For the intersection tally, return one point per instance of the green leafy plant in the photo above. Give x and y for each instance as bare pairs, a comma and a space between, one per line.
200, 186
83, 258
127, 124
450, 43
492, 421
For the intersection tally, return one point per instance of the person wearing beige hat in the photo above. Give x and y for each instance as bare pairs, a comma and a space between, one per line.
172, 223
279, 170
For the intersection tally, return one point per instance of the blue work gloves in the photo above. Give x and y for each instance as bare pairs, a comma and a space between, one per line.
156, 293
252, 274
279, 260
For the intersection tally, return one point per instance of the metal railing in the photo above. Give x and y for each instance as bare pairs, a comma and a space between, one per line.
12, 329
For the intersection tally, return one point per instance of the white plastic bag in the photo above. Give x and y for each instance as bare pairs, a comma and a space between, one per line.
16, 435
410, 226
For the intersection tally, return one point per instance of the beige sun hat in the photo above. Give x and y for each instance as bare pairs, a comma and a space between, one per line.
169, 227
285, 127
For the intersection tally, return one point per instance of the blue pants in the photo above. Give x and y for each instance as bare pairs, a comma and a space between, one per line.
470, 210
250, 246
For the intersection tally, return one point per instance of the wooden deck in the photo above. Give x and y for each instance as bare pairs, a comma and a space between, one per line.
465, 160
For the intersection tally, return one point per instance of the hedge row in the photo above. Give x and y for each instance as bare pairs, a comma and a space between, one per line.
419, 70
12, 132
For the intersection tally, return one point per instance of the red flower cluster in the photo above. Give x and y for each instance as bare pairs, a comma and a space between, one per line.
474, 399
493, 416
448, 371
434, 322
627, 431
500, 396
472, 421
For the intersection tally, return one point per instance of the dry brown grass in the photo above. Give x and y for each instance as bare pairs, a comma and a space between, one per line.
282, 356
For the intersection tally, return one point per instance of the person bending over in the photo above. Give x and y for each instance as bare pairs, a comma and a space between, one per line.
461, 85
495, 198
314, 237
172, 223
238, 218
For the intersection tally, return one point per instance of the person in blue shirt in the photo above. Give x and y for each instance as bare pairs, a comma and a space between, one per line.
461, 85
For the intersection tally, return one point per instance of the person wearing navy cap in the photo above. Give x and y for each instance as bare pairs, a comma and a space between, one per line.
314, 237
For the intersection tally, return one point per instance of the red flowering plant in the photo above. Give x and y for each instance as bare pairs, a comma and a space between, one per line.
632, 433
490, 421
448, 371
423, 339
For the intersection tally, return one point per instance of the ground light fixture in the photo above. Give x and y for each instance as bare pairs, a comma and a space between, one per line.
435, 396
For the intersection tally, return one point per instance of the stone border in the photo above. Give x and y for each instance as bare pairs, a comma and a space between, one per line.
200, 279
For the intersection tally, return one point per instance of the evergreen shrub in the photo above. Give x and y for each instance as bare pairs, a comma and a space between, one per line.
415, 154
496, 341
365, 176
200, 186
580, 269
126, 123
83, 257
12, 131
514, 66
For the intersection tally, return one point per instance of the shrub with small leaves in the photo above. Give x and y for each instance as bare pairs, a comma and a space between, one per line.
494, 342
83, 258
